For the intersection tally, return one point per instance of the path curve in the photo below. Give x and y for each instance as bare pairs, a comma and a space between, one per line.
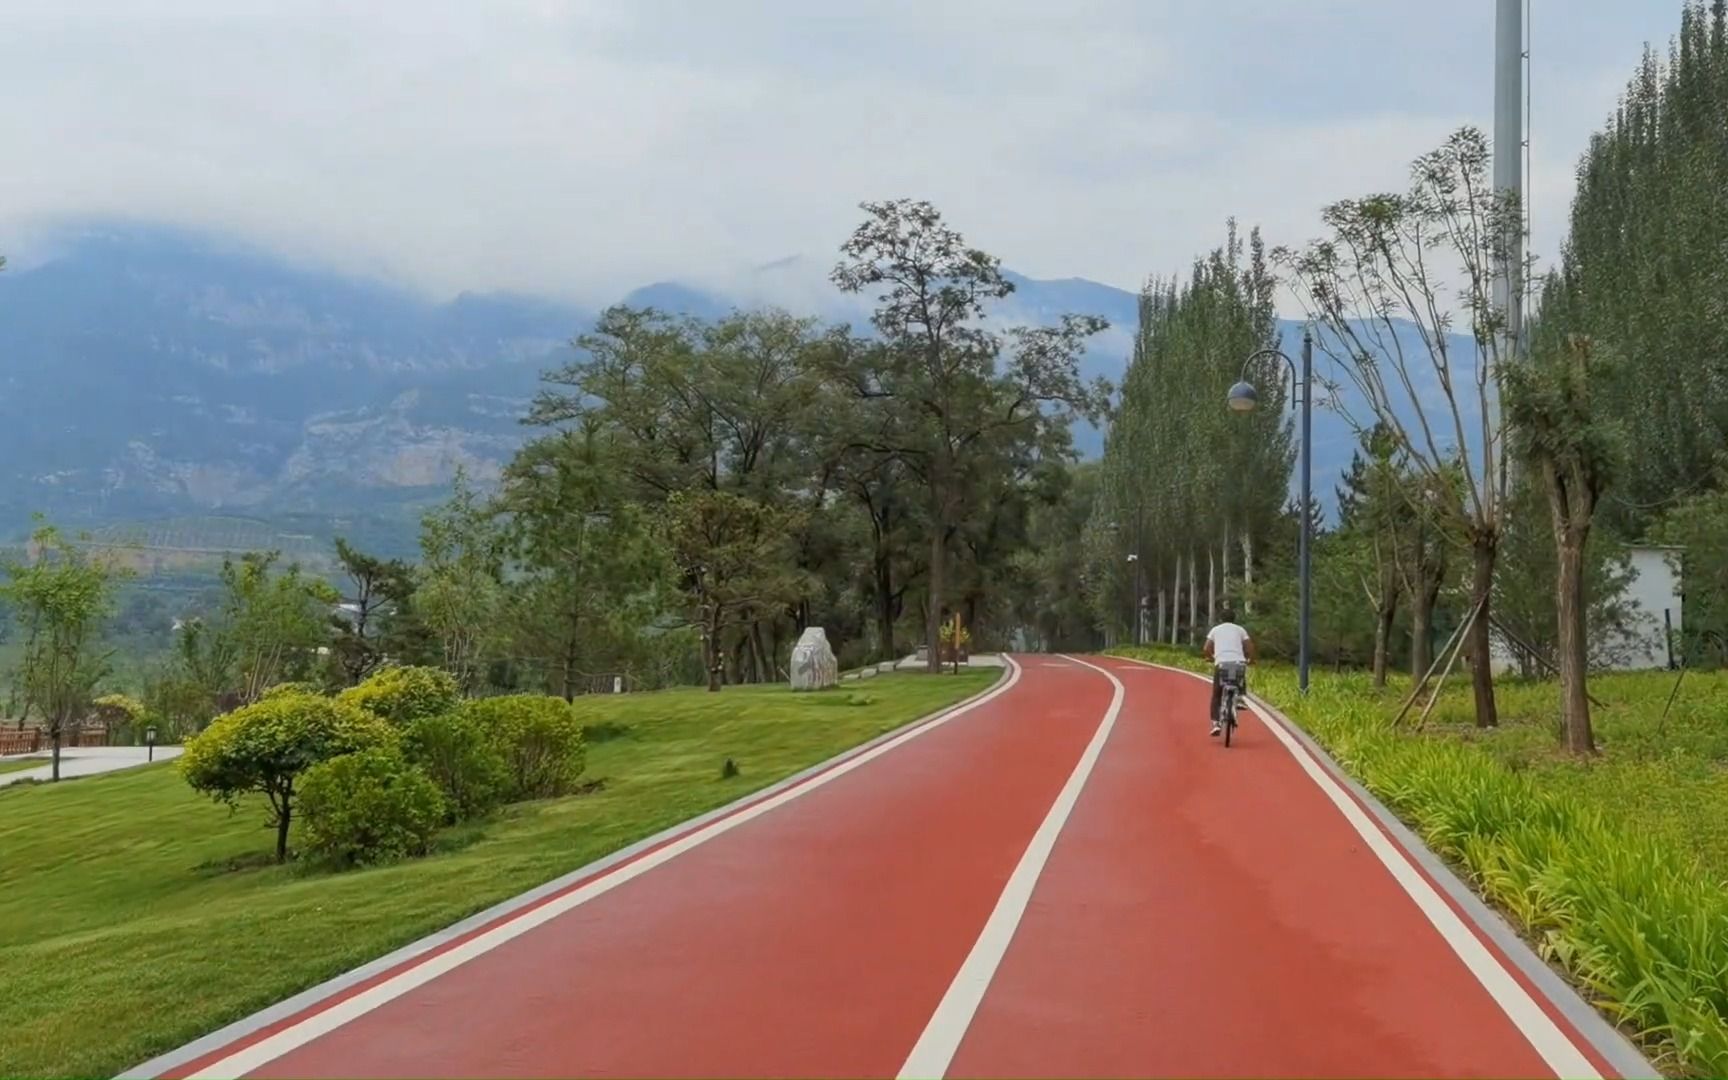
1065, 877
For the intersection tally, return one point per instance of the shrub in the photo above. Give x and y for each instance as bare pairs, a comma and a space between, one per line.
462, 758
287, 688
368, 807
403, 695
264, 749
541, 739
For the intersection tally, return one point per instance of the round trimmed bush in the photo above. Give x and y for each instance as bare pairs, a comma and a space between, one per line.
287, 688
541, 739
266, 748
368, 807
462, 758
403, 695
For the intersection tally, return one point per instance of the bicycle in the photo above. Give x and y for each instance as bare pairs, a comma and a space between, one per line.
1230, 689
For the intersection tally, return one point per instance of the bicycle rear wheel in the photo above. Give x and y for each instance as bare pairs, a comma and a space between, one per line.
1229, 715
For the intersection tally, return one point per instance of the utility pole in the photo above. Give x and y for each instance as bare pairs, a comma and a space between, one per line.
1508, 164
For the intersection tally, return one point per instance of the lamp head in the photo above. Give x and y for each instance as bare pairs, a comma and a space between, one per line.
1243, 397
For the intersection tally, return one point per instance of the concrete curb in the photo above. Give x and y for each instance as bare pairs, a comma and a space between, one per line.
239, 1029
1603, 1037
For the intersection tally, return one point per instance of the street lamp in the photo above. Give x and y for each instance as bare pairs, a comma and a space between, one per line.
1244, 398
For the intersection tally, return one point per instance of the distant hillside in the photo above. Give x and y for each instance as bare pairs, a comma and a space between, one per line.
150, 376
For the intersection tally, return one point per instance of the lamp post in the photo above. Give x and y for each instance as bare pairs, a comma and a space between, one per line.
1244, 398
1137, 603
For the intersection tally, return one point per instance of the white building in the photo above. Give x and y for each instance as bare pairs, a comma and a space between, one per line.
1654, 594
1653, 597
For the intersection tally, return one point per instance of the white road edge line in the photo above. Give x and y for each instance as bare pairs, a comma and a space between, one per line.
935, 1049
1545, 1036
296, 1035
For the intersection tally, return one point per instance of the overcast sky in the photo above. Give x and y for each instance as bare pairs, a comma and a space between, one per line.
580, 148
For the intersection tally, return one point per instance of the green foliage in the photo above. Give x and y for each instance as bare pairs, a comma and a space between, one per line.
935, 394
281, 689
734, 554
60, 597
266, 747
1699, 527
590, 573
1186, 482
541, 738
378, 615
402, 695
463, 758
1645, 266
460, 591
368, 807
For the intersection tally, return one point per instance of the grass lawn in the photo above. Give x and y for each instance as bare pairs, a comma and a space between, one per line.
20, 764
136, 915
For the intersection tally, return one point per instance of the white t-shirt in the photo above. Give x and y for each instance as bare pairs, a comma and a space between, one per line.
1228, 641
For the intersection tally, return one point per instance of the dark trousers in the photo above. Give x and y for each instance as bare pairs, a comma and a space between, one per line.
1237, 673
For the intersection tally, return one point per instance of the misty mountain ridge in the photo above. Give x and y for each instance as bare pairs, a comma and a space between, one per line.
147, 373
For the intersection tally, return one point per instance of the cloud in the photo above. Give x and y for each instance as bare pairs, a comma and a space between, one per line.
578, 149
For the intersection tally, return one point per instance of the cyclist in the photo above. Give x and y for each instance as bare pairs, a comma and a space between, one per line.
1231, 650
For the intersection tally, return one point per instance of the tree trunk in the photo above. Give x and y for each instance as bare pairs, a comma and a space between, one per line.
1224, 567
711, 652
1159, 636
933, 614
282, 823
1483, 549
1211, 587
1574, 641
1421, 629
1383, 623
1247, 572
1193, 599
1176, 599
759, 662
884, 607
56, 734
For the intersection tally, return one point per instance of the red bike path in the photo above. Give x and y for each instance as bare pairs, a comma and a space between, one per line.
1066, 877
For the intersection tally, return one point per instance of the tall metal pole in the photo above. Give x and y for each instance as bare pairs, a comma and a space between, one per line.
1302, 555
1509, 163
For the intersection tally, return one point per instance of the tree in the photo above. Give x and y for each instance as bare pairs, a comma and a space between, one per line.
1373, 289
273, 621
1185, 480
1646, 268
588, 569
60, 596
459, 596
732, 553
1573, 449
378, 590
264, 748
1373, 510
936, 367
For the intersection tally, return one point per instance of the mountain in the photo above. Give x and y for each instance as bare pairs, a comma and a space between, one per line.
149, 375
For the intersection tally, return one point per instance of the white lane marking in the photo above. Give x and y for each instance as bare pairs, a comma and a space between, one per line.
255, 1056
1537, 1027
936, 1047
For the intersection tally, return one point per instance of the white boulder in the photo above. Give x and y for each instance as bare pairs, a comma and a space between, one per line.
813, 663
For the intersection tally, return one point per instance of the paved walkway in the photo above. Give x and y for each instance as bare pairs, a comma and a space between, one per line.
84, 761
1066, 877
